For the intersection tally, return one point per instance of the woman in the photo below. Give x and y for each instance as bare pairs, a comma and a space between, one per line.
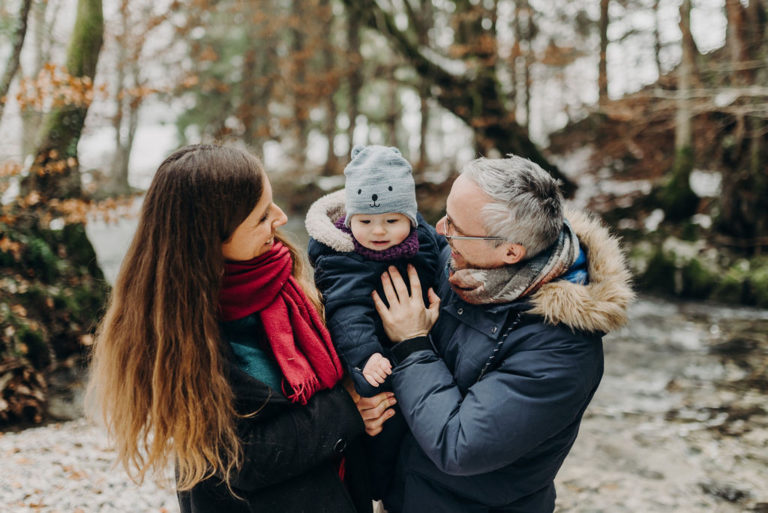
212, 352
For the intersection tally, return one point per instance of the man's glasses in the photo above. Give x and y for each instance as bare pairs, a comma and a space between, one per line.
449, 228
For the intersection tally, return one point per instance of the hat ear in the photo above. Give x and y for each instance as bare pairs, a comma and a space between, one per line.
395, 150
356, 150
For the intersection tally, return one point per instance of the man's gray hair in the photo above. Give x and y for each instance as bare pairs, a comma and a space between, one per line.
527, 207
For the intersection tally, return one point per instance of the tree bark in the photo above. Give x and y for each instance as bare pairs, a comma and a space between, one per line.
678, 199
55, 172
526, 35
602, 74
744, 192
119, 170
13, 60
355, 78
425, 19
32, 119
656, 39
300, 100
392, 115
477, 101
734, 14
331, 112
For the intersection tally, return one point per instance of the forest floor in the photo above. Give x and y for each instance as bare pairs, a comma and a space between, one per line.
678, 425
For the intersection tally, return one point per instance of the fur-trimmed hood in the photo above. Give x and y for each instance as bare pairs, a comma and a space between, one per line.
320, 218
602, 304
599, 306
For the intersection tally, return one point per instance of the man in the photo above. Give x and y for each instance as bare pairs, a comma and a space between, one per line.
494, 400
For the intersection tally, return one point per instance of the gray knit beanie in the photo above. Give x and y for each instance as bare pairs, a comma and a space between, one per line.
379, 180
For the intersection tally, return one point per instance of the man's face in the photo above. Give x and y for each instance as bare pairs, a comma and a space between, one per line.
463, 216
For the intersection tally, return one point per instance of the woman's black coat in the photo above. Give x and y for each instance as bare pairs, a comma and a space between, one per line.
291, 456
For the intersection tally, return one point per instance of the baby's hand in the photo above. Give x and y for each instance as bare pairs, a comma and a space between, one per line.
376, 369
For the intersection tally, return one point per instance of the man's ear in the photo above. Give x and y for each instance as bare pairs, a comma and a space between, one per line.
513, 253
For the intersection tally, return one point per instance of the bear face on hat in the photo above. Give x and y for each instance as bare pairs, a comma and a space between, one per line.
378, 181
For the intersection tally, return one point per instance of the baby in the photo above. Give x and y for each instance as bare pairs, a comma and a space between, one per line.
355, 235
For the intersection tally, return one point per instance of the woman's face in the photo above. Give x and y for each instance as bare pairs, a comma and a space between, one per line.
256, 234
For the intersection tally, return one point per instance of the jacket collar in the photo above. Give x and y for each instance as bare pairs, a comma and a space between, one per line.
600, 305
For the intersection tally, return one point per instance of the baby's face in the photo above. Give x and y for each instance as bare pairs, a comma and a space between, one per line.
380, 231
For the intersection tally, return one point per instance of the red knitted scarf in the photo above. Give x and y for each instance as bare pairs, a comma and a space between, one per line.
298, 337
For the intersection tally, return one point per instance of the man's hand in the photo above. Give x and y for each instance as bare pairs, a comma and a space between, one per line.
406, 317
376, 369
374, 410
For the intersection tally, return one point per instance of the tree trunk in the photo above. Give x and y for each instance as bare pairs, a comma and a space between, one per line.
260, 64
602, 73
514, 60
426, 22
683, 116
119, 168
678, 200
656, 39
734, 14
355, 77
249, 92
13, 60
331, 162
55, 172
42, 22
526, 37
744, 192
300, 100
477, 101
393, 115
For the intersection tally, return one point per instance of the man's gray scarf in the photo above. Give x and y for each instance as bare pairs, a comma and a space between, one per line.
508, 283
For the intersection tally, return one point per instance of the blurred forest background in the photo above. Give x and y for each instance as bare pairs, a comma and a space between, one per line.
652, 113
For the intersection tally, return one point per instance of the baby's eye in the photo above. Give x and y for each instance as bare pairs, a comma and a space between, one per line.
392, 221
365, 221
390, 187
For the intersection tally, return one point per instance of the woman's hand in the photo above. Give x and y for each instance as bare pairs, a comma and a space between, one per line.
406, 317
374, 410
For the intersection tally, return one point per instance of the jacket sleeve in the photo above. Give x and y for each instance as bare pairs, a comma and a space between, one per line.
532, 396
346, 284
295, 440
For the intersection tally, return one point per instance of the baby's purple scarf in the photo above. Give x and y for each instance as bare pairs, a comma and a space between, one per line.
406, 249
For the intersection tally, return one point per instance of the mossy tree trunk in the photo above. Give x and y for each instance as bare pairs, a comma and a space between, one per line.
677, 198
743, 216
56, 289
55, 172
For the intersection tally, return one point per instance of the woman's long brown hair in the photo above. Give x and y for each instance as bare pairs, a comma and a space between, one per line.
158, 374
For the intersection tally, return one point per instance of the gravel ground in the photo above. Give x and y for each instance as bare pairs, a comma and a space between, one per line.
679, 424
69, 468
